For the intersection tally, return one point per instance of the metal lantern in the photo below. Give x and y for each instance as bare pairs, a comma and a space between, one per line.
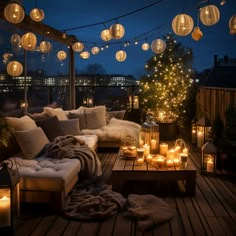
182, 24
37, 14
197, 33
194, 130
29, 41
15, 40
209, 15
158, 46
95, 50
150, 135
106, 35
203, 129
208, 163
45, 46
14, 68
117, 31
9, 197
134, 101
121, 55
61, 55
145, 46
78, 47
85, 55
14, 13
232, 25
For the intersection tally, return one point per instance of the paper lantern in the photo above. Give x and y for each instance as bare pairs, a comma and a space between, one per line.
14, 68
61, 55
182, 24
106, 35
78, 47
37, 14
232, 25
121, 55
197, 33
45, 46
158, 46
14, 13
85, 55
145, 46
209, 15
15, 40
117, 31
29, 41
95, 50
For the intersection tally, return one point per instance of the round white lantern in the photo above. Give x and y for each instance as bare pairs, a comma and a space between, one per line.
106, 35
232, 25
14, 68
117, 31
85, 55
78, 46
61, 55
29, 41
45, 46
15, 40
197, 33
95, 50
14, 13
37, 14
209, 15
121, 55
158, 46
182, 24
145, 46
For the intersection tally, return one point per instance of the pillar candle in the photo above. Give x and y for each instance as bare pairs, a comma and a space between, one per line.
153, 144
141, 142
176, 162
140, 161
146, 149
149, 158
171, 154
200, 139
5, 211
169, 163
210, 165
163, 149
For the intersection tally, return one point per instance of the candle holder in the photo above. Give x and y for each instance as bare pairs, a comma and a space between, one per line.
9, 196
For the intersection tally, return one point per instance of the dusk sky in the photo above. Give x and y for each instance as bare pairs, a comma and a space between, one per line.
74, 14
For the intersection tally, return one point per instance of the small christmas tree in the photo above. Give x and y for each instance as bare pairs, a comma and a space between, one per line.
165, 88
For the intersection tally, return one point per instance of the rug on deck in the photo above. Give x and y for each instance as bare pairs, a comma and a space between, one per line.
96, 201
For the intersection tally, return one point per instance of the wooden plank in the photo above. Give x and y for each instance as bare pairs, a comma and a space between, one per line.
231, 222
162, 229
123, 226
88, 228
215, 227
106, 227
72, 228
225, 227
58, 227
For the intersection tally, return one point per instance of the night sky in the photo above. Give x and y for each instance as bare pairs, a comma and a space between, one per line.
145, 25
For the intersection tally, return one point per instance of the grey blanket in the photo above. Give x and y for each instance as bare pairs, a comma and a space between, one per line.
70, 147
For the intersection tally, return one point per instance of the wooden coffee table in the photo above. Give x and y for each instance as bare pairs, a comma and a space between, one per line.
126, 169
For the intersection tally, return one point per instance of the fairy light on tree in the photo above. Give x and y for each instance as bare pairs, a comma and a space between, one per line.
166, 86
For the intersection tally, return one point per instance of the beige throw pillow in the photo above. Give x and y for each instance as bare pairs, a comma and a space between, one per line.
56, 112
70, 126
22, 123
31, 141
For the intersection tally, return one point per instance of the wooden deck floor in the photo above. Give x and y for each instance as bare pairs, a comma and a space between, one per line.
212, 211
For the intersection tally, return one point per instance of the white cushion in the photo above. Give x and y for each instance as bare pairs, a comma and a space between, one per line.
90, 139
56, 112
22, 123
31, 141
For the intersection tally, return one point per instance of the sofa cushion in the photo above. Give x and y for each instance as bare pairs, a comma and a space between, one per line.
31, 141
90, 140
38, 116
81, 117
70, 126
51, 127
22, 123
56, 112
116, 114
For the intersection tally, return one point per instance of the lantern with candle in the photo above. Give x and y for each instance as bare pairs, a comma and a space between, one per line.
194, 130
9, 196
149, 134
203, 130
128, 146
208, 163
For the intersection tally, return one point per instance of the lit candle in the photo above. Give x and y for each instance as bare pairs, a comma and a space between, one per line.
185, 150
146, 149
5, 211
153, 144
141, 142
210, 165
163, 149
140, 152
176, 162
171, 154
183, 160
169, 163
140, 161
200, 139
149, 158
158, 161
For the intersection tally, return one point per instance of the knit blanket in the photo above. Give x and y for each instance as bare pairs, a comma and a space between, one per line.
70, 147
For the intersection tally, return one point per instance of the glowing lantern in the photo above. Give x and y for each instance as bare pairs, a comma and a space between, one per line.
85, 55
197, 33
14, 68
106, 35
182, 24
145, 46
61, 55
209, 15
14, 13
117, 31
232, 25
78, 46
121, 55
158, 46
95, 50
45, 46
37, 14
15, 40
29, 41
